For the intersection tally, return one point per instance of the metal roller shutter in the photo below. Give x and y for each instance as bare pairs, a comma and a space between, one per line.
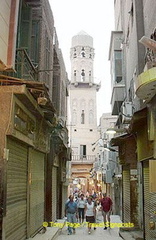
54, 193
36, 159
16, 212
126, 195
149, 204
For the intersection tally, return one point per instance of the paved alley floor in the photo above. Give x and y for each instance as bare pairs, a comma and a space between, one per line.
99, 233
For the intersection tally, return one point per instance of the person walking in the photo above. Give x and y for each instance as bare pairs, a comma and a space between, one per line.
106, 205
81, 207
71, 213
90, 213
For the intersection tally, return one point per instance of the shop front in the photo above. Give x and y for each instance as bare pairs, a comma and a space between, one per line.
24, 137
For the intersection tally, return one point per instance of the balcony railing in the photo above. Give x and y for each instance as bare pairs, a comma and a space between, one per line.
83, 159
24, 67
76, 170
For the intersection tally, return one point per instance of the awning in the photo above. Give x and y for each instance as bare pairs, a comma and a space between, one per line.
117, 141
127, 148
138, 120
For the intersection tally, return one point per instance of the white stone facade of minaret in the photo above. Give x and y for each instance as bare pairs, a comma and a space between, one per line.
83, 90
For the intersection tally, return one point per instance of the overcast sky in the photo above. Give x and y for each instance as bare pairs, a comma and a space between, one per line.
95, 17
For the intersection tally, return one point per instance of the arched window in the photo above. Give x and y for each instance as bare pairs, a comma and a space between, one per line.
90, 76
83, 75
74, 118
91, 117
83, 104
74, 75
91, 104
75, 53
82, 117
82, 52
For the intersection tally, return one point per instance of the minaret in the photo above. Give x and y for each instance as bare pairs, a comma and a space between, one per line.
83, 109
82, 57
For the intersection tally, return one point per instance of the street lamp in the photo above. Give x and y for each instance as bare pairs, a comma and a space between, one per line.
115, 130
110, 149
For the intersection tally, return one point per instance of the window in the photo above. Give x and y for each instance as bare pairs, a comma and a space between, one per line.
131, 12
74, 118
47, 59
83, 150
35, 42
91, 117
82, 117
118, 66
74, 75
91, 104
90, 76
75, 53
82, 52
83, 75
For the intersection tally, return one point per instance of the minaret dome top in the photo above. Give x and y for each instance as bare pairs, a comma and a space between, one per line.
82, 39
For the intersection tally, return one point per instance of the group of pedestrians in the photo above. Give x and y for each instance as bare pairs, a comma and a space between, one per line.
83, 208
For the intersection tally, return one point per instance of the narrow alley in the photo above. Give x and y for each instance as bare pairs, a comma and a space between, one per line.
78, 120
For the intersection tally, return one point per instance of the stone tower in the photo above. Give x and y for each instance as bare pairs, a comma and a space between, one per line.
83, 109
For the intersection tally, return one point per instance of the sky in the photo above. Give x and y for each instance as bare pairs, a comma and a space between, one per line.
95, 17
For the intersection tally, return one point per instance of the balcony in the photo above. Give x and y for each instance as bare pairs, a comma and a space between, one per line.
80, 159
117, 98
24, 68
145, 84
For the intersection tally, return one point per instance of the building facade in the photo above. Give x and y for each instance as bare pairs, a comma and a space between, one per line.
132, 53
108, 171
34, 137
83, 124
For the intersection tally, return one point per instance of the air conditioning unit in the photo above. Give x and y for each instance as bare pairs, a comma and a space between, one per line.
127, 112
